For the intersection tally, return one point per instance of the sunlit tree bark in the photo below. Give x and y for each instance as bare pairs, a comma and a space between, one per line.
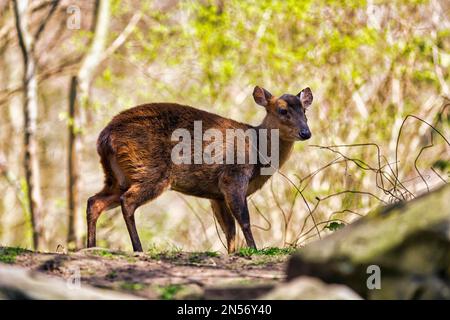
30, 113
79, 99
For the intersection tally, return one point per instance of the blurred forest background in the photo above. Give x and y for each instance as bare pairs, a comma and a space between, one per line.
66, 67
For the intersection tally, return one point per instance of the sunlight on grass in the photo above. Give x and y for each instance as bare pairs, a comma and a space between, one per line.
157, 253
106, 253
271, 251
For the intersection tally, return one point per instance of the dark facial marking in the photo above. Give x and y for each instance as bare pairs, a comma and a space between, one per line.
292, 101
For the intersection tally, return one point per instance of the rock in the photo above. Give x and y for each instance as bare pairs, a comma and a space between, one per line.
409, 242
236, 292
20, 283
307, 288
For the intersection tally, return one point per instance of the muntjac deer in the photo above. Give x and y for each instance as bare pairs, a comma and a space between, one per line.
137, 155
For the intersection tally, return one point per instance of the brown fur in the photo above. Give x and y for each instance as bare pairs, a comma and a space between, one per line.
135, 153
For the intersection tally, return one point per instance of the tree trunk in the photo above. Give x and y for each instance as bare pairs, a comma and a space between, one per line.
78, 100
30, 112
72, 178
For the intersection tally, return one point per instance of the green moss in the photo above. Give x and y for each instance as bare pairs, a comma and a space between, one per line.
271, 251
9, 255
131, 286
169, 292
195, 257
106, 253
244, 282
262, 261
382, 230
212, 254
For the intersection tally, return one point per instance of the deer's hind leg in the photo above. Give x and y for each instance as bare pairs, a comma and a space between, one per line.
146, 174
133, 198
104, 200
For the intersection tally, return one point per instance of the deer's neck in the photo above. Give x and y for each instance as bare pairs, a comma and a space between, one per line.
285, 147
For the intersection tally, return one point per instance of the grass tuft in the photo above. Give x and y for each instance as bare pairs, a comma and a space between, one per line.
106, 253
9, 254
158, 254
169, 292
196, 257
271, 251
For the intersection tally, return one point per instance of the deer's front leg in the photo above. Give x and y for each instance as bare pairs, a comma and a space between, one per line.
226, 221
234, 190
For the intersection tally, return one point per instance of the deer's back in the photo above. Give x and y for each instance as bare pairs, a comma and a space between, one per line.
163, 118
139, 142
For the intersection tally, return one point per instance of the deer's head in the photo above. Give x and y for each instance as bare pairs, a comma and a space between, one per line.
286, 113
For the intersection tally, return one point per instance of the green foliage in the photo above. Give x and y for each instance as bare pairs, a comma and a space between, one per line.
157, 253
131, 286
210, 54
272, 251
196, 257
169, 292
106, 253
9, 254
442, 164
103, 253
212, 254
333, 226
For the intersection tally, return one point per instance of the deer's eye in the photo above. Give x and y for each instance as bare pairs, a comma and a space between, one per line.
282, 111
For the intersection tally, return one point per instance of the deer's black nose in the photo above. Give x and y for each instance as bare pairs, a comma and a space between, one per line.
305, 134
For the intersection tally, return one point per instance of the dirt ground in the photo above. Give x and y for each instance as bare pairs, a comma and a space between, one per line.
163, 275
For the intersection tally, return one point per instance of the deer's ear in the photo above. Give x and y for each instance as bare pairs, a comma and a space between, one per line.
261, 96
306, 97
